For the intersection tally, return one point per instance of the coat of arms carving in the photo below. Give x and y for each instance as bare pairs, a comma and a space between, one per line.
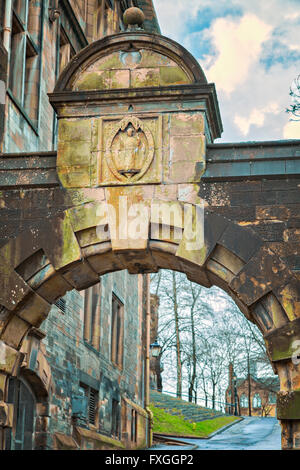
129, 149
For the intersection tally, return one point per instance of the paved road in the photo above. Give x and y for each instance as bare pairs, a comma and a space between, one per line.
249, 434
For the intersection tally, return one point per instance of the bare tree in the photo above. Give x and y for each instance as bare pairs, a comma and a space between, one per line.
201, 332
294, 108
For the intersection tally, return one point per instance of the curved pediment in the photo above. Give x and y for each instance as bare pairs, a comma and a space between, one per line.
130, 60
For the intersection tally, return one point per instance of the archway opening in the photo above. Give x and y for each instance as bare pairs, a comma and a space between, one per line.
231, 257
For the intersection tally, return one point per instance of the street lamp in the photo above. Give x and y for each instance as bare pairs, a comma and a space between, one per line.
235, 393
155, 349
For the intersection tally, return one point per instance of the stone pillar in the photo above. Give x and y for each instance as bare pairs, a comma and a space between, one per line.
283, 345
10, 360
288, 404
42, 435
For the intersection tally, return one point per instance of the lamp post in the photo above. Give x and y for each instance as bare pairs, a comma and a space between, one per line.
155, 353
155, 349
235, 394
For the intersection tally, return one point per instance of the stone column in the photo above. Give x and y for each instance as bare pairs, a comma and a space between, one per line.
42, 435
288, 404
10, 360
283, 345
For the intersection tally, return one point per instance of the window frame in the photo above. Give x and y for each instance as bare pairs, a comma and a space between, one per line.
134, 425
92, 316
117, 332
115, 419
28, 64
92, 395
244, 401
256, 401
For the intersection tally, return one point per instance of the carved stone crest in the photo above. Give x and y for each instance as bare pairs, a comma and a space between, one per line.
129, 149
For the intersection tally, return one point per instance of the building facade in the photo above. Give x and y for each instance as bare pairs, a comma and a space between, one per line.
83, 380
252, 395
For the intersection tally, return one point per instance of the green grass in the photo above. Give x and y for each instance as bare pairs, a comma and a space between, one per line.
164, 423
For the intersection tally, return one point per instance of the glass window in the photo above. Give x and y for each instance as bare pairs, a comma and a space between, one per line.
92, 400
244, 401
24, 74
134, 418
117, 327
20, 394
256, 401
92, 310
66, 50
115, 419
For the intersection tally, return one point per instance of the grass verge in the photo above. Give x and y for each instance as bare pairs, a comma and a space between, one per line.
164, 423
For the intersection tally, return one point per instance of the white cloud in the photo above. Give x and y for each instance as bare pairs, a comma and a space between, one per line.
292, 130
246, 86
257, 117
239, 44
292, 16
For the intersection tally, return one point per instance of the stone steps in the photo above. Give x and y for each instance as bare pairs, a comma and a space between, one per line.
176, 407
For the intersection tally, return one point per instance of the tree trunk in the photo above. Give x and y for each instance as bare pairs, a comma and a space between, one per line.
178, 345
249, 387
194, 358
213, 395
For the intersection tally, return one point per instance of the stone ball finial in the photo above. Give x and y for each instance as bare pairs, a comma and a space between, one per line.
133, 16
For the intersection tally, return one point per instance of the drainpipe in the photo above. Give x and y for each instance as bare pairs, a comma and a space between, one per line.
7, 24
147, 368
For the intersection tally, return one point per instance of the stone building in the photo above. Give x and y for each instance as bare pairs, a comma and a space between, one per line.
251, 395
83, 380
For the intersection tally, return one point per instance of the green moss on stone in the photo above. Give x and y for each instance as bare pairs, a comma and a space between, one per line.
93, 81
173, 76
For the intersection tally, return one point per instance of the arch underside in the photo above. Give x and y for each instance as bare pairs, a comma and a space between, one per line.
69, 251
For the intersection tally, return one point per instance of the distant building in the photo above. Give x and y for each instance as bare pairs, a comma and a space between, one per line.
262, 392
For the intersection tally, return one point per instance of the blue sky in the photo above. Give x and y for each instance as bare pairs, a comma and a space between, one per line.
251, 51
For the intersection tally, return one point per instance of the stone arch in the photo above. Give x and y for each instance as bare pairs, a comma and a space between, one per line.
163, 50
69, 252
82, 243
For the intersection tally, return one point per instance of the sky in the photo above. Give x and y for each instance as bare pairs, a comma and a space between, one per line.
250, 49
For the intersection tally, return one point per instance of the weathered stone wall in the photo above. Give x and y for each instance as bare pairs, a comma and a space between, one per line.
72, 360
270, 206
23, 133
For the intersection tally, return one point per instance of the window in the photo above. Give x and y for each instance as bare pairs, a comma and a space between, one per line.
66, 50
117, 327
108, 17
61, 304
92, 307
272, 398
92, 403
24, 75
244, 403
127, 4
256, 403
21, 395
115, 419
134, 425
